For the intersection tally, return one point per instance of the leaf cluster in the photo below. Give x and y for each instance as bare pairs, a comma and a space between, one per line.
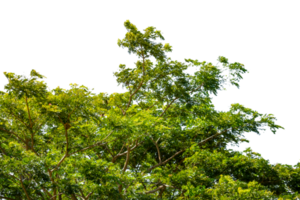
161, 139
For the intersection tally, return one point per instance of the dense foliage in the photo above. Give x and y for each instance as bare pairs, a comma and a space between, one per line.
160, 139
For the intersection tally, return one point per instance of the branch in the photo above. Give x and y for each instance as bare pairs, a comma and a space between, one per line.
24, 188
157, 147
162, 188
131, 95
200, 143
168, 106
152, 191
120, 188
178, 97
124, 153
28, 111
67, 146
13, 134
7, 198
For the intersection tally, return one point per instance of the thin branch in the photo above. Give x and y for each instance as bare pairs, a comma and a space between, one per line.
13, 134
118, 155
28, 111
168, 106
127, 159
200, 143
67, 146
129, 102
157, 148
28, 197
7, 198
3, 151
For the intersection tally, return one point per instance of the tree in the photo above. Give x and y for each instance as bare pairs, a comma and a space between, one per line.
160, 139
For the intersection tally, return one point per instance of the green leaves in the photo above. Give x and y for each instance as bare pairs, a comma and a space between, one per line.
142, 44
161, 139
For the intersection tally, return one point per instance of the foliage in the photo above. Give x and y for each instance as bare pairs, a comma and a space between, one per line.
160, 139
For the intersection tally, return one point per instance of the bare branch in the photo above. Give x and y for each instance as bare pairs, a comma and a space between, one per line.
157, 148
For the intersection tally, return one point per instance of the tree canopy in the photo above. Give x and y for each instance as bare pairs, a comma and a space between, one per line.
161, 139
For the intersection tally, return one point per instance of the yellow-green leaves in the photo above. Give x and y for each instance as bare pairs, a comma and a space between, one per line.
160, 139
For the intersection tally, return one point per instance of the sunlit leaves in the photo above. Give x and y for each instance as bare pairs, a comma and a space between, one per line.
162, 138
